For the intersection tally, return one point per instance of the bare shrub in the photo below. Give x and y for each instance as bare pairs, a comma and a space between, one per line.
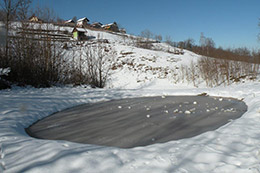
183, 74
91, 64
215, 72
99, 61
144, 43
35, 58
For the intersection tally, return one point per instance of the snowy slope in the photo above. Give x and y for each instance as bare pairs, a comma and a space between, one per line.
135, 67
234, 147
142, 67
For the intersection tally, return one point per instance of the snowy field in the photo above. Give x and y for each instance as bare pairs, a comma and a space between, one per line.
234, 147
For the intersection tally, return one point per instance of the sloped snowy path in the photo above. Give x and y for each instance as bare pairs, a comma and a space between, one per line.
234, 147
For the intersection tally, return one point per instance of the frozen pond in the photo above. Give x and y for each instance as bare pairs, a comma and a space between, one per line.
141, 121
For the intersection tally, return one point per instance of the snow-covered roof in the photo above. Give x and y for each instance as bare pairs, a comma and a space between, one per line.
70, 21
35, 18
110, 24
84, 18
97, 23
80, 29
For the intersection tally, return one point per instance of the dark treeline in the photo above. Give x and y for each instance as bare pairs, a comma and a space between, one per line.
207, 48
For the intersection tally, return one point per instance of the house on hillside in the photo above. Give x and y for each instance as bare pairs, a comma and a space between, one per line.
34, 18
97, 25
82, 22
111, 27
79, 34
122, 30
70, 22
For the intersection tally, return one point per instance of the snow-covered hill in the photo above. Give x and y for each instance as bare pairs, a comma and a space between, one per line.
135, 67
132, 66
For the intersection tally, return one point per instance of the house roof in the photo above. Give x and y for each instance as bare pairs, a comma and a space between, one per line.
69, 21
80, 30
110, 24
33, 16
97, 23
84, 18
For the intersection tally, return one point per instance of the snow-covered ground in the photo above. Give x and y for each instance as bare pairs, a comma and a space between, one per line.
235, 147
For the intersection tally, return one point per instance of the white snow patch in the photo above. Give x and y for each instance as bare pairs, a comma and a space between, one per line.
187, 112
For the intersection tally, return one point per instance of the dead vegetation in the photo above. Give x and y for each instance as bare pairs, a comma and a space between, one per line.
37, 57
215, 72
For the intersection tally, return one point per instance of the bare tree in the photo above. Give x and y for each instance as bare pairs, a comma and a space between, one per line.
168, 40
144, 41
46, 14
158, 38
147, 34
99, 63
23, 10
10, 9
259, 27
171, 43
202, 40
2, 15
188, 44
2, 35
206, 43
